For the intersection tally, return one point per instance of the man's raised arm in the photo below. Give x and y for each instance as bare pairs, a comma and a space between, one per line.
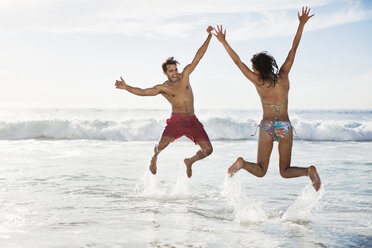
286, 67
199, 54
120, 84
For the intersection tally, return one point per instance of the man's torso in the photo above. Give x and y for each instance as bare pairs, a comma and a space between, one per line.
179, 95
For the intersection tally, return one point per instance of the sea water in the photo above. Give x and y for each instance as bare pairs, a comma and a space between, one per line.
80, 178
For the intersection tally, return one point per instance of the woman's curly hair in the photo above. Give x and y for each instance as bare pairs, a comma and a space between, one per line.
266, 65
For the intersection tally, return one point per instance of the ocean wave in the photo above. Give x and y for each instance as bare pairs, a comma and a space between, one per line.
218, 128
129, 130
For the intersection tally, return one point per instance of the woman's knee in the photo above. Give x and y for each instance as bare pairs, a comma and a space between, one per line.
263, 171
284, 173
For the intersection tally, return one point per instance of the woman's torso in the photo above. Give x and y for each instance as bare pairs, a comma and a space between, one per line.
274, 100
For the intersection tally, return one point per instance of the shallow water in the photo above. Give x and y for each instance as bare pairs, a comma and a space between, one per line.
92, 193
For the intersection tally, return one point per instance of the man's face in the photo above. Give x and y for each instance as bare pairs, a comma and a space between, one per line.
172, 73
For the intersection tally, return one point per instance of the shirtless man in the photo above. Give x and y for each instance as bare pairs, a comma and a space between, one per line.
177, 90
272, 87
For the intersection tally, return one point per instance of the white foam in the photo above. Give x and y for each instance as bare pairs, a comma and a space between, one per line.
246, 209
122, 126
131, 130
182, 185
334, 130
149, 186
305, 206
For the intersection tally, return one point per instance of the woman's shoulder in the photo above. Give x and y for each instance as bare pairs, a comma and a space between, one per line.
282, 82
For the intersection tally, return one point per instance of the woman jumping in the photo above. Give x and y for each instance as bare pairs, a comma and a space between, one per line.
272, 86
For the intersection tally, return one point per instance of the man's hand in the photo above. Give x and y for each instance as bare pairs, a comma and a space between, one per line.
219, 34
209, 29
120, 84
304, 17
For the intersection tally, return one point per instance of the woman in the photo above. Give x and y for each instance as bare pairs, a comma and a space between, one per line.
272, 86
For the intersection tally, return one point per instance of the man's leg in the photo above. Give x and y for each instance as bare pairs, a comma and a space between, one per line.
205, 150
259, 169
288, 171
163, 143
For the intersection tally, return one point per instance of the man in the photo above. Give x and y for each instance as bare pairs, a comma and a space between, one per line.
177, 90
272, 86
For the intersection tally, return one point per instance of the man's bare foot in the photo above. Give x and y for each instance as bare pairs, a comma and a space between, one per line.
188, 164
153, 165
237, 165
314, 177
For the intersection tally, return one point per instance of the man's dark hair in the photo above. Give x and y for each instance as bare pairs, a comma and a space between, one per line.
169, 61
266, 65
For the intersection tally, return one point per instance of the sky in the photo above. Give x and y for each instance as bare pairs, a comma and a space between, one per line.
68, 53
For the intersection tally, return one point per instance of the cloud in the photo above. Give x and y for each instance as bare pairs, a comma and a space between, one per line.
352, 12
283, 23
2, 72
169, 18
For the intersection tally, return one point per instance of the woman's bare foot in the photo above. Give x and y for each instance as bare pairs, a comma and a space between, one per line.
188, 164
314, 177
236, 166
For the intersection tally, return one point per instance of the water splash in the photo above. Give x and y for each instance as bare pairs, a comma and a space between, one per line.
182, 185
149, 186
305, 205
246, 209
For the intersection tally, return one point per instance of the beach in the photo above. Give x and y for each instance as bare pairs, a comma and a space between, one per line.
80, 178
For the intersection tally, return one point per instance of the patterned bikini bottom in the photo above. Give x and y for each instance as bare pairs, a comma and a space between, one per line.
276, 129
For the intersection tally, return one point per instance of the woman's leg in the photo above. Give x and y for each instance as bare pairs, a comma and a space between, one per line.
259, 169
285, 168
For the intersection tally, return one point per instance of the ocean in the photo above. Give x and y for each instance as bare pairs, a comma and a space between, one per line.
80, 178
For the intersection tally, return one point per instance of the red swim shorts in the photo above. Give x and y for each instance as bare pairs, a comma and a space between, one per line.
190, 126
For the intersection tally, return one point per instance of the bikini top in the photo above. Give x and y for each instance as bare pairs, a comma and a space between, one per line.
276, 107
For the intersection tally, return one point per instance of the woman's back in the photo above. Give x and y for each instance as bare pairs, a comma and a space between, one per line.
274, 99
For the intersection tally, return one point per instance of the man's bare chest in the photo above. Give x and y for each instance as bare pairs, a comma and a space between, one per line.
178, 90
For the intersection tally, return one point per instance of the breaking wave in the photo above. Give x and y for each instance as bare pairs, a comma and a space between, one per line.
218, 128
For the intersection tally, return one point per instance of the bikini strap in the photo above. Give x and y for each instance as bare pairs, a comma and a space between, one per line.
296, 135
255, 132
275, 108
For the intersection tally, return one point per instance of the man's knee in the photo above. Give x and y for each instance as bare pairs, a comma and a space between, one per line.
208, 150
161, 146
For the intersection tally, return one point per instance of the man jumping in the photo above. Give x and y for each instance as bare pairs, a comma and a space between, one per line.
177, 90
